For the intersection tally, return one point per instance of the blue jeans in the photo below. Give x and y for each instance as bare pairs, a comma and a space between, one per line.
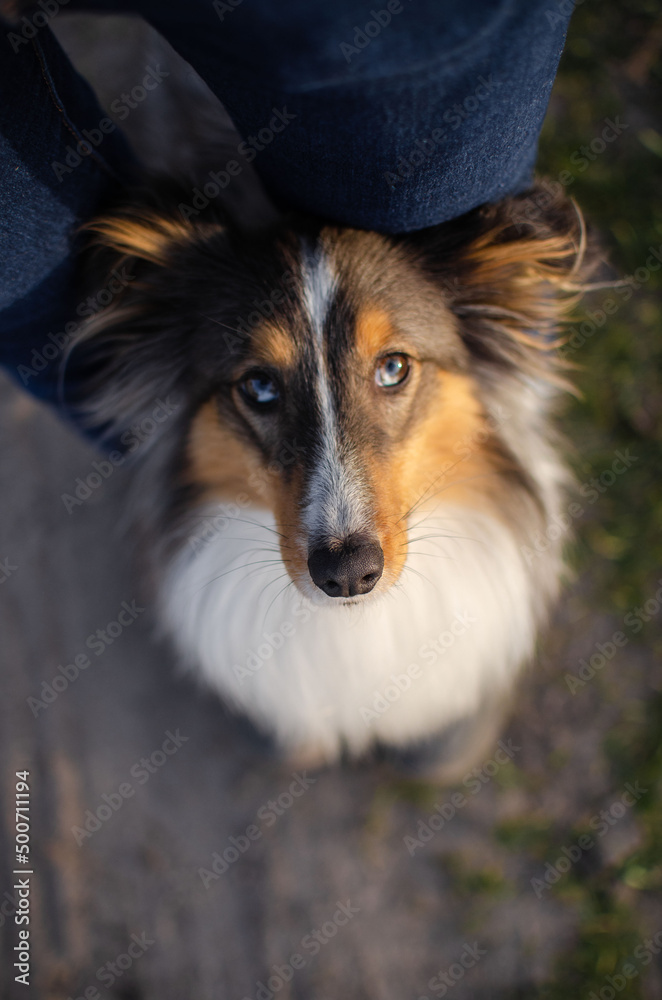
394, 117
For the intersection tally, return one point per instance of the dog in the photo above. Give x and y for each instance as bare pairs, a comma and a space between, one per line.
346, 514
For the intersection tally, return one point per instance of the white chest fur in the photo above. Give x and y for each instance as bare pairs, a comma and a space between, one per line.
398, 667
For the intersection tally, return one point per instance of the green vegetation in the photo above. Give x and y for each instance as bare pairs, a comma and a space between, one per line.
611, 69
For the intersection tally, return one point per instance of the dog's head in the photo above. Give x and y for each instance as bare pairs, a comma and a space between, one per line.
345, 380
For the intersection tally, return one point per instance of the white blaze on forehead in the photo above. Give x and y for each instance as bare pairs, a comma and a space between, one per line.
337, 501
319, 287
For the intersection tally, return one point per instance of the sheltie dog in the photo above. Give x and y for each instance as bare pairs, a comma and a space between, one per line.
347, 512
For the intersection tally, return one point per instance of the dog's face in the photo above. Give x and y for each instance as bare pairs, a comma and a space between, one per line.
344, 408
342, 379
358, 419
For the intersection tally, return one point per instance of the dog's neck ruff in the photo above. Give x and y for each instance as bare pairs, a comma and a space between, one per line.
396, 667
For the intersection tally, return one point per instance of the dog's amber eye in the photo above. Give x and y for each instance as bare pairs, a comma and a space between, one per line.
392, 370
259, 388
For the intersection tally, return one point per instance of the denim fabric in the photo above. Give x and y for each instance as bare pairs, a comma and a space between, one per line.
438, 113
393, 116
44, 107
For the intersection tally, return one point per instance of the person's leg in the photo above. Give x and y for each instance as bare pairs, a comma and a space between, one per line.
395, 116
54, 174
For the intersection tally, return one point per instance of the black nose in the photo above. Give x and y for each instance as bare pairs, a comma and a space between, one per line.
348, 569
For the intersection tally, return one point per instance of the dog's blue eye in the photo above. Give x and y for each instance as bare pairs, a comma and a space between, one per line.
392, 370
260, 388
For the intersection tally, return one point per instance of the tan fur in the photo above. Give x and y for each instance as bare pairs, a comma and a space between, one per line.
444, 455
273, 345
287, 510
374, 333
226, 470
535, 281
149, 236
221, 464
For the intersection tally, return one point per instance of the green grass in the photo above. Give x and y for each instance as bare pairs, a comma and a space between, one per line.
611, 68
607, 54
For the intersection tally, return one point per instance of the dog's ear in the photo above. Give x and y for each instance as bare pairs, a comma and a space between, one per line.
511, 272
138, 233
141, 267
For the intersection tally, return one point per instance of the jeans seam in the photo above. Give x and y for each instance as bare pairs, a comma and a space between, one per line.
59, 106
